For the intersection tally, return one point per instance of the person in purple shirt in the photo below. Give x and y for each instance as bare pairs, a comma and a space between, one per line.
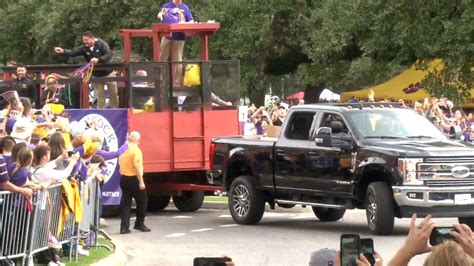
7, 144
175, 12
6, 185
21, 175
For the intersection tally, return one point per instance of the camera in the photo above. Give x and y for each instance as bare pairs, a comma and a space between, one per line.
70, 153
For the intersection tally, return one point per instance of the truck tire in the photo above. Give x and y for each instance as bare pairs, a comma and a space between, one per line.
469, 221
379, 208
189, 201
158, 203
246, 202
327, 214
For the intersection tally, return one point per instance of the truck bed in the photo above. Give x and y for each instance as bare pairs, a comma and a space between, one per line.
247, 140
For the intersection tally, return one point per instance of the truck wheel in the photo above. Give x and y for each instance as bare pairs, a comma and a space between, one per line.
158, 203
327, 214
379, 208
190, 201
246, 202
469, 221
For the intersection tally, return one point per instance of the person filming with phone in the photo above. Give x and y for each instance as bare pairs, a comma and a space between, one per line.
448, 245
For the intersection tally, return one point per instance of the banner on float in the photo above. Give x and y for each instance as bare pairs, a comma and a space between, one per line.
113, 124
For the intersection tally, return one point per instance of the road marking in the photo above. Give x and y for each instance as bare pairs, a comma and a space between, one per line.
176, 235
225, 216
228, 225
201, 230
182, 217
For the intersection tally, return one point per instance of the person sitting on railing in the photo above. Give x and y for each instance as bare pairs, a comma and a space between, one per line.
54, 96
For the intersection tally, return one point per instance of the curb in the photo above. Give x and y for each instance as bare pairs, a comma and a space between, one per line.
120, 257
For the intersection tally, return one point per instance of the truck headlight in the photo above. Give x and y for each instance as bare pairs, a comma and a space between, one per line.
407, 167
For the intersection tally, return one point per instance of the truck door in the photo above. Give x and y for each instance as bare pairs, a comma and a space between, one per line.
291, 167
330, 167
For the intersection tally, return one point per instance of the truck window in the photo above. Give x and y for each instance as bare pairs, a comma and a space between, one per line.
327, 122
299, 126
338, 126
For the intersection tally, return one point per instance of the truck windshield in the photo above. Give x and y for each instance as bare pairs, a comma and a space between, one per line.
394, 124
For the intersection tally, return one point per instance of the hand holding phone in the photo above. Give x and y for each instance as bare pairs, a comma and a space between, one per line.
367, 249
350, 249
440, 234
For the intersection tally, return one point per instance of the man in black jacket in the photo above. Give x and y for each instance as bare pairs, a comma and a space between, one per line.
96, 51
25, 86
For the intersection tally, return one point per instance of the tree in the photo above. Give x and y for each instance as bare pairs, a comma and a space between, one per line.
342, 45
351, 41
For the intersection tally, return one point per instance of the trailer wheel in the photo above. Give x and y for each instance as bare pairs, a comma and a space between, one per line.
158, 203
469, 221
246, 202
379, 208
189, 201
327, 214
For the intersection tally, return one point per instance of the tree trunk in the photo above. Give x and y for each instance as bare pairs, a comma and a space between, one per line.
311, 94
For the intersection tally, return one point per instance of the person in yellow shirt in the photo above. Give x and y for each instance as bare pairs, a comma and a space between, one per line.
132, 185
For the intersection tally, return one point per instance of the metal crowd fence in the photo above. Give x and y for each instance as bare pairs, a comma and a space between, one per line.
26, 231
14, 225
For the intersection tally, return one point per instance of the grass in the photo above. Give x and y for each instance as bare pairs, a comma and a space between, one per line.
95, 254
215, 199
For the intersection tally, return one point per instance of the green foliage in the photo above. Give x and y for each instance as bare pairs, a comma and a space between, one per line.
344, 45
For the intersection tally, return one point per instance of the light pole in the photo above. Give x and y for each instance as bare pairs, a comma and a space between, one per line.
282, 88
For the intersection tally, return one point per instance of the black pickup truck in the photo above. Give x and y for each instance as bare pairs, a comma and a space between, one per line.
379, 157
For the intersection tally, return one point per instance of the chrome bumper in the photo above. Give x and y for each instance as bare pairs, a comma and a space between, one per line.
433, 196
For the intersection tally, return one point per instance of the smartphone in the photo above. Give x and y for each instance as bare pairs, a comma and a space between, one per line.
440, 234
367, 249
350, 249
209, 261
70, 153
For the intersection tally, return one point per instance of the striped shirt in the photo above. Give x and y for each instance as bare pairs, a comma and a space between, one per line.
3, 170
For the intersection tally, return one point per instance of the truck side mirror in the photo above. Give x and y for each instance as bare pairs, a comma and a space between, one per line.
323, 137
455, 132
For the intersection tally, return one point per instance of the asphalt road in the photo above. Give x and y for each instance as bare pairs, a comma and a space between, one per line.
284, 237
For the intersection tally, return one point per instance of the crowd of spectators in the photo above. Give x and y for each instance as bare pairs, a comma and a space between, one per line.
263, 117
41, 147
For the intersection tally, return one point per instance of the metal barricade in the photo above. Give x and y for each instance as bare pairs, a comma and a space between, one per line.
14, 226
24, 233
88, 196
46, 209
